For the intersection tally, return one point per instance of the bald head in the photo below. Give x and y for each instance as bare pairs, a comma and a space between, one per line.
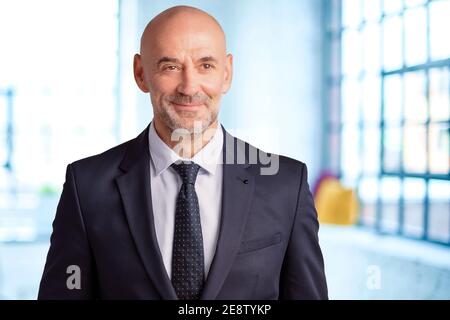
181, 20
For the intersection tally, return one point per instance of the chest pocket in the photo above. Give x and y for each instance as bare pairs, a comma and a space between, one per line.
258, 244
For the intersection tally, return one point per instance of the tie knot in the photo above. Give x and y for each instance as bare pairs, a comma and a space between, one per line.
187, 171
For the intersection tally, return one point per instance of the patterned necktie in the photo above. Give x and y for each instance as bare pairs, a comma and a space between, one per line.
187, 254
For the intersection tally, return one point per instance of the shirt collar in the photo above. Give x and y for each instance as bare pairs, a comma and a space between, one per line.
163, 156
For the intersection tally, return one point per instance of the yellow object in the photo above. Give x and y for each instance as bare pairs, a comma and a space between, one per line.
336, 204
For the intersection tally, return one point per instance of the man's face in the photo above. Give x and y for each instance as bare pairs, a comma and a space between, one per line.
186, 70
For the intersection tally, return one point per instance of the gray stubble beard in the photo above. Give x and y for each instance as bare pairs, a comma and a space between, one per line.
168, 116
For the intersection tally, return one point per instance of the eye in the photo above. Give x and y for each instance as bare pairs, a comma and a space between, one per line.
170, 68
207, 66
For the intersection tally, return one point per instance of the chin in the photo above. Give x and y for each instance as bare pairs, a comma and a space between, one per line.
195, 124
191, 125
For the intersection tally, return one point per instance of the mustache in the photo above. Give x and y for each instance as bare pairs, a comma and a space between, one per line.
197, 98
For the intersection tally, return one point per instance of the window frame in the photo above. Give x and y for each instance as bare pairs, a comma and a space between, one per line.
332, 154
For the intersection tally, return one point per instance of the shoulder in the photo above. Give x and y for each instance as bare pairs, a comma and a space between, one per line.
278, 178
108, 158
107, 163
275, 164
268, 168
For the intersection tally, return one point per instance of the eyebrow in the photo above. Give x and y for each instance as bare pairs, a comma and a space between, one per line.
167, 59
175, 60
208, 59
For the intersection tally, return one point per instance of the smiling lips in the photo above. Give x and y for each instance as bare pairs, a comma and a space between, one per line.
186, 106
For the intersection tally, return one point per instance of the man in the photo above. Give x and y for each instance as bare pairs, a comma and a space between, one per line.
184, 211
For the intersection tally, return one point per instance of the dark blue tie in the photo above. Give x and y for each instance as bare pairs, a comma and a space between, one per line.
187, 254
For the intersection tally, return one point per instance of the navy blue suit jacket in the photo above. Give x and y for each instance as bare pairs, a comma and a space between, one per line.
267, 246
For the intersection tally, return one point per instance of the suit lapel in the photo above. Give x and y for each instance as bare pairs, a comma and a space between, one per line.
237, 193
134, 188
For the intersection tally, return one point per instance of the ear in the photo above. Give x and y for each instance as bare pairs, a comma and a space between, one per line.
228, 74
139, 73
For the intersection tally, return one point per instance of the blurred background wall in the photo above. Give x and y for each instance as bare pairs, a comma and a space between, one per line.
357, 89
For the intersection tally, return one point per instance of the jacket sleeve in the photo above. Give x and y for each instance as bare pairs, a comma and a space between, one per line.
68, 272
302, 275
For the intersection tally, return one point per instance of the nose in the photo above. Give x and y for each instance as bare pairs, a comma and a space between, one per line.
189, 82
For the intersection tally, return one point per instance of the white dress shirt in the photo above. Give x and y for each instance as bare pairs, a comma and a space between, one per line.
166, 184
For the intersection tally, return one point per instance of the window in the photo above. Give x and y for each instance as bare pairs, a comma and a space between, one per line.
58, 82
388, 111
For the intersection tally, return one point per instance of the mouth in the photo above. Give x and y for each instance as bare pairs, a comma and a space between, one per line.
186, 106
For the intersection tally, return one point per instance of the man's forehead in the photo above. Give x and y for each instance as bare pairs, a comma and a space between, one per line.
181, 39
194, 48
169, 30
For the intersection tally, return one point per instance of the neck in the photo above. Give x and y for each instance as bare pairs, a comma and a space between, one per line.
186, 146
